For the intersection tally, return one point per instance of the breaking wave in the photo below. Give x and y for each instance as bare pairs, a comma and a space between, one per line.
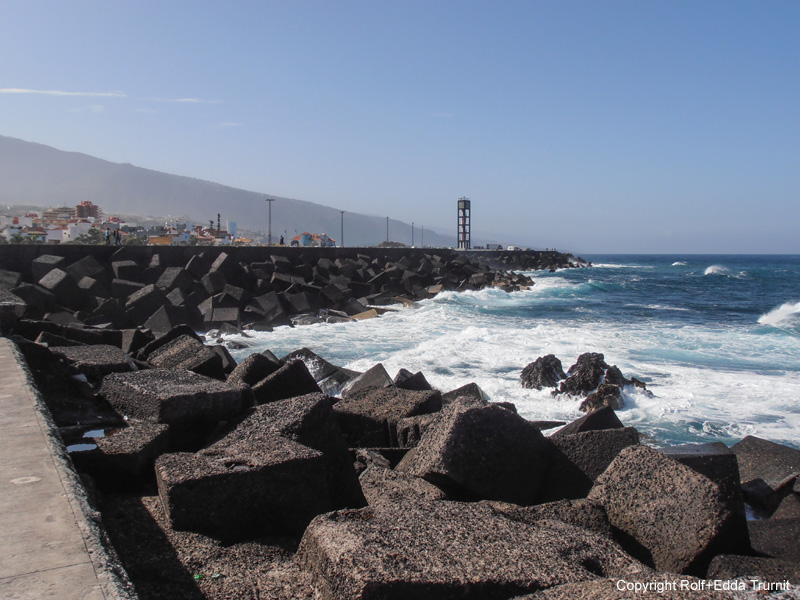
786, 316
716, 270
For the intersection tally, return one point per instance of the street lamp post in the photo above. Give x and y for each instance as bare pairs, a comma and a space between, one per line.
387, 230
412, 234
341, 241
422, 235
269, 225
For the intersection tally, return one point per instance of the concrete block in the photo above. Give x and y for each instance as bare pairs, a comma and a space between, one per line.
677, 516
375, 376
172, 396
96, 361
407, 380
186, 352
481, 452
126, 269
449, 550
369, 417
253, 369
281, 466
42, 265
123, 459
65, 289
175, 278
290, 380
604, 418
384, 486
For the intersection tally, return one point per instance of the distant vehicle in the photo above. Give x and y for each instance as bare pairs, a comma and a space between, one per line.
494, 246
512, 248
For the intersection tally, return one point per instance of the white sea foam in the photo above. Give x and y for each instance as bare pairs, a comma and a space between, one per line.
679, 263
659, 307
785, 314
709, 382
620, 266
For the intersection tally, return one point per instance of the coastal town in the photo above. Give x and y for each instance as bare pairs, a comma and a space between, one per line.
86, 223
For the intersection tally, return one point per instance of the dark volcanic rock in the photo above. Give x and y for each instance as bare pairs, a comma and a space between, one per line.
615, 376
172, 396
676, 514
369, 417
545, 371
281, 466
607, 394
483, 452
290, 380
585, 375
449, 550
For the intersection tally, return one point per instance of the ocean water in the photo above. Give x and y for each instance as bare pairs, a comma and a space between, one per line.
716, 339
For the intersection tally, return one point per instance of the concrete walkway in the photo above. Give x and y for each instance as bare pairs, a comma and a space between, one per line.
50, 545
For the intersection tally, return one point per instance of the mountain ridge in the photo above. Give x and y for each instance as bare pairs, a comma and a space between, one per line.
37, 174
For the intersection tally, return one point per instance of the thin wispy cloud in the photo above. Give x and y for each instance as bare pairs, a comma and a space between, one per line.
229, 124
63, 93
185, 100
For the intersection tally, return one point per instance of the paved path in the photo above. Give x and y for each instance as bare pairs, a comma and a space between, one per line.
49, 547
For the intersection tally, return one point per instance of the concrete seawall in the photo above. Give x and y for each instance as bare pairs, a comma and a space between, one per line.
51, 542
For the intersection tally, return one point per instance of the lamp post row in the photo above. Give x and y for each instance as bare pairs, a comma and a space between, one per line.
341, 241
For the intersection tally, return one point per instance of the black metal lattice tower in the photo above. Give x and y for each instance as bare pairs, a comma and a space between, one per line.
462, 234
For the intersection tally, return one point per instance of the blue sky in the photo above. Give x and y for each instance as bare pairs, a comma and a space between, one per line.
589, 126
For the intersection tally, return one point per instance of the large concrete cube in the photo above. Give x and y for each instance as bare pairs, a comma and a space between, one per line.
172, 396
481, 452
450, 550
678, 515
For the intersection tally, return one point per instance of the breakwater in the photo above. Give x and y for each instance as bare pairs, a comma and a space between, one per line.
159, 288
219, 478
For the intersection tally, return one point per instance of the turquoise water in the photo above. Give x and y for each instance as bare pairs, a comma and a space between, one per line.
716, 338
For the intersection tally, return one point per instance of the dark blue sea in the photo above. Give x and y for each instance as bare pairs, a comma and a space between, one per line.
716, 338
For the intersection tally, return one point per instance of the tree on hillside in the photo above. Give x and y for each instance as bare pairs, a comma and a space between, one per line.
93, 237
18, 238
